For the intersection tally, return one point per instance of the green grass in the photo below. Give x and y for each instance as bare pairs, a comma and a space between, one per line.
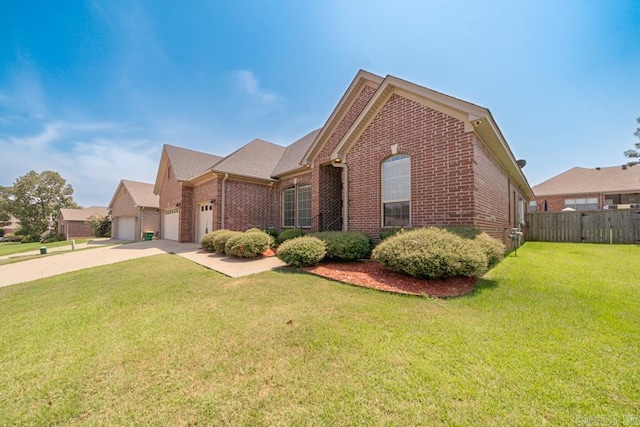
9, 248
549, 337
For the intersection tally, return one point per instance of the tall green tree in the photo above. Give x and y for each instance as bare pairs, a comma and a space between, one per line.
5, 215
36, 197
634, 154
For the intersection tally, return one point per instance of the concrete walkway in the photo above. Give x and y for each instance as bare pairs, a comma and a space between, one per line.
48, 266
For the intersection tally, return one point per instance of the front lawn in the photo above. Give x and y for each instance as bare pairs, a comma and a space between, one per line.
9, 248
549, 337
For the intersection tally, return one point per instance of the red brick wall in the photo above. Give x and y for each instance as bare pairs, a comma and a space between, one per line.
324, 156
250, 205
75, 229
170, 193
495, 205
187, 226
441, 166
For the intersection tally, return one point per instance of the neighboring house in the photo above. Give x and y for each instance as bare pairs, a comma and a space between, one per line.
11, 226
134, 211
72, 223
588, 189
391, 154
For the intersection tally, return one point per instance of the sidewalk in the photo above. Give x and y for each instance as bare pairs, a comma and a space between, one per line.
89, 244
38, 268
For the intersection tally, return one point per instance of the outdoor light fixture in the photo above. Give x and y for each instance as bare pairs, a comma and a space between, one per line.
178, 205
213, 200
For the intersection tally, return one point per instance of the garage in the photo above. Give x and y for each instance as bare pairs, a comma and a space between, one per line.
170, 224
126, 228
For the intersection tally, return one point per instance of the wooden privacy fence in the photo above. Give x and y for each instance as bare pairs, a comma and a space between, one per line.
602, 226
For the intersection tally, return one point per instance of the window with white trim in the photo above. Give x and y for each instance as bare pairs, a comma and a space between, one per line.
584, 204
396, 191
296, 206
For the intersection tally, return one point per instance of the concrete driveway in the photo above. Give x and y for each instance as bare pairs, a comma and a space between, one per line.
48, 266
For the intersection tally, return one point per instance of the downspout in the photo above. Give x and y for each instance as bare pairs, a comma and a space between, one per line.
345, 193
222, 199
141, 234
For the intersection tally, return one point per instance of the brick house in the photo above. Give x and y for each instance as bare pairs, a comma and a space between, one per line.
72, 223
134, 211
391, 154
588, 189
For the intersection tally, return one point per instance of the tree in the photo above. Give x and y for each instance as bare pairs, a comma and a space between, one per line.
5, 215
101, 226
634, 154
37, 197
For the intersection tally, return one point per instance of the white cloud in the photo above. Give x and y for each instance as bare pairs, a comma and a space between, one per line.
249, 84
91, 156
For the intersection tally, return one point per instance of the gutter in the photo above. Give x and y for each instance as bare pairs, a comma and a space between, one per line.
223, 199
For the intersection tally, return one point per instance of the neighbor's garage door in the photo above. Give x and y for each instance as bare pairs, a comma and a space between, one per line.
126, 229
170, 224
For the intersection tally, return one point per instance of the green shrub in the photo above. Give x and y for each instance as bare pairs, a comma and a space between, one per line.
345, 245
221, 238
270, 240
50, 236
206, 242
492, 248
289, 233
431, 253
247, 245
302, 251
30, 239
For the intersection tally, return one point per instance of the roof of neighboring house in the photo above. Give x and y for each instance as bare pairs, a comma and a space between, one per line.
140, 192
189, 163
579, 180
294, 153
82, 214
257, 159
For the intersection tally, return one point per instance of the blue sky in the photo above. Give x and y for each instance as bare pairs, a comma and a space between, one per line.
92, 89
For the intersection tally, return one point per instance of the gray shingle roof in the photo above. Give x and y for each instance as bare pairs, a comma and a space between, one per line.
294, 153
189, 163
142, 193
83, 214
584, 180
256, 159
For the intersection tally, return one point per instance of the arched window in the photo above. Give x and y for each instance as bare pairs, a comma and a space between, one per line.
296, 206
396, 191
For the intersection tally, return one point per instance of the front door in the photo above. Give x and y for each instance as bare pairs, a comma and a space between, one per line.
205, 220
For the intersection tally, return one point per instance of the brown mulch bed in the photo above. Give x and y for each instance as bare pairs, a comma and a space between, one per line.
370, 274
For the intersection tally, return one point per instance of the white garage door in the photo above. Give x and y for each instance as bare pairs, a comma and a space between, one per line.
126, 229
170, 224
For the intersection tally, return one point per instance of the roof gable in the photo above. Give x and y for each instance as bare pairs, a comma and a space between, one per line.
186, 164
363, 78
141, 193
475, 118
579, 180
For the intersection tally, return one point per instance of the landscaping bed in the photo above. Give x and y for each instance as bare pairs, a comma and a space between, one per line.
370, 274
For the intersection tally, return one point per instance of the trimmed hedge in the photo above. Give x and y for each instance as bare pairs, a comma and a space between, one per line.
431, 253
302, 251
220, 239
268, 237
247, 245
289, 233
346, 245
492, 248
208, 241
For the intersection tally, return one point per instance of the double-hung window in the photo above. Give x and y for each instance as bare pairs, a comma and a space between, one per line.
396, 191
296, 206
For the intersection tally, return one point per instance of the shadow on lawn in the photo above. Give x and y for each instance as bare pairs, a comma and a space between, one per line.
483, 285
